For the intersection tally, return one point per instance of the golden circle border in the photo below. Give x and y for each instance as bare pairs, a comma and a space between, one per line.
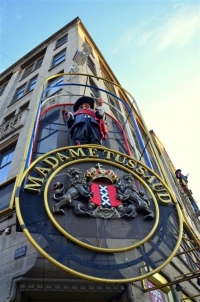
81, 275
85, 245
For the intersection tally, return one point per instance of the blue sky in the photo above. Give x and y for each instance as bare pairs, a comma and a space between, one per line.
153, 48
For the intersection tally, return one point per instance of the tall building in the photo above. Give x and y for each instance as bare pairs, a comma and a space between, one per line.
82, 220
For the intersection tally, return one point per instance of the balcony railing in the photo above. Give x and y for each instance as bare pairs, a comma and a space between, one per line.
13, 124
54, 100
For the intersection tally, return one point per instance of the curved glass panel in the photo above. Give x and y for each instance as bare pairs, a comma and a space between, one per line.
53, 132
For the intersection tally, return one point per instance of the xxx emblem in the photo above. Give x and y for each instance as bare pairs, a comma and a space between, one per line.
100, 193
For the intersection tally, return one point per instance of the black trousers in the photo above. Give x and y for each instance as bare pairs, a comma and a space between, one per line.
86, 133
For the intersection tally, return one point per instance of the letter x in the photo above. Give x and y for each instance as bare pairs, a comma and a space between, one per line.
104, 196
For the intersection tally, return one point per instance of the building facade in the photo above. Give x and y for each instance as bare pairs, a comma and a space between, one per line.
129, 228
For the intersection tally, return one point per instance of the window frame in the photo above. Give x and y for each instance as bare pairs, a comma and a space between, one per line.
3, 87
56, 57
94, 92
6, 153
61, 41
91, 65
54, 81
24, 89
31, 82
33, 66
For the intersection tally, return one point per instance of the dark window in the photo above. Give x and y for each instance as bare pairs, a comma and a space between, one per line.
19, 93
5, 162
52, 132
91, 65
9, 117
60, 57
6, 191
24, 106
110, 86
38, 63
53, 85
62, 40
31, 84
115, 108
2, 88
94, 91
32, 67
4, 82
22, 90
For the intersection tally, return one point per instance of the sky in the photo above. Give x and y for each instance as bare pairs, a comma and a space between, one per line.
153, 47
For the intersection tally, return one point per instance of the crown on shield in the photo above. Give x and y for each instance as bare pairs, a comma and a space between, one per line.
94, 173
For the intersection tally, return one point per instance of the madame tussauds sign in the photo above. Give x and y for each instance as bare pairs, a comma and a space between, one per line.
53, 160
95, 212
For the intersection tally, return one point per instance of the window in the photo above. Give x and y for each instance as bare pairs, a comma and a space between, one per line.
62, 40
22, 90
19, 93
94, 91
6, 191
31, 84
24, 106
91, 65
52, 132
53, 85
33, 67
4, 82
115, 108
2, 88
5, 163
109, 85
8, 117
60, 57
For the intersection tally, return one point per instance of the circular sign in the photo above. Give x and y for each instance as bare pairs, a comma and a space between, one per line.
115, 227
98, 214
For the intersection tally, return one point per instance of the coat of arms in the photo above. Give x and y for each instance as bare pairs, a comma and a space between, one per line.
101, 193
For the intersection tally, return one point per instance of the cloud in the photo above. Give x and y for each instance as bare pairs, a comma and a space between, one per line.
134, 36
176, 29
179, 28
125, 40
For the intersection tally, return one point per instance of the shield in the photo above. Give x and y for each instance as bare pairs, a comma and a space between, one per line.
104, 195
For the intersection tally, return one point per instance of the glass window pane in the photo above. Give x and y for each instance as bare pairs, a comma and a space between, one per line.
52, 132
7, 156
5, 162
28, 70
4, 173
91, 65
39, 63
59, 58
2, 88
32, 84
62, 40
54, 86
19, 93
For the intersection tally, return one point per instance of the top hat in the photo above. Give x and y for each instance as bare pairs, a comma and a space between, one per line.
82, 100
179, 170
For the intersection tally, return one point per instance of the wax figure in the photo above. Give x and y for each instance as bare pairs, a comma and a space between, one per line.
180, 176
183, 180
86, 123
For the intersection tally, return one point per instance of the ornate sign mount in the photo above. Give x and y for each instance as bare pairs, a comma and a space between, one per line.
105, 195
95, 212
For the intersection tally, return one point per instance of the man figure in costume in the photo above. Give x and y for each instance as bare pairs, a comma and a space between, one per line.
86, 124
183, 180
181, 177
